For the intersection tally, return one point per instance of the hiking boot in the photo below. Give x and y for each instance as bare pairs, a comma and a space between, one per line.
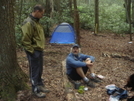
40, 94
43, 89
90, 84
95, 79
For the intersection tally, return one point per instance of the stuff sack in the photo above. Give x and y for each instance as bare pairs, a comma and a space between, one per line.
117, 92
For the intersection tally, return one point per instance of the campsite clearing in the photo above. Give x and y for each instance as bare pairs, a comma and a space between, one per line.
111, 52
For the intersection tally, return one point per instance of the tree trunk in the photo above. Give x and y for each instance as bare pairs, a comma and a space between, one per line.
52, 8
11, 76
128, 16
57, 6
37, 0
128, 9
47, 8
76, 22
71, 10
133, 12
96, 16
20, 11
70, 7
130, 22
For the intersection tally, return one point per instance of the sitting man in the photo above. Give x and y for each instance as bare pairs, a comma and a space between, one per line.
78, 64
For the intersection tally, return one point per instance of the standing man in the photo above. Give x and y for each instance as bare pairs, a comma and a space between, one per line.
33, 41
78, 64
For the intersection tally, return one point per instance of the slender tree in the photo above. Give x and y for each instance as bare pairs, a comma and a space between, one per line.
96, 16
128, 9
21, 2
57, 7
11, 76
37, 0
76, 21
70, 7
47, 8
52, 8
130, 22
128, 16
133, 12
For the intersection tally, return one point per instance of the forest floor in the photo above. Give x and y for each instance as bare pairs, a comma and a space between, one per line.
114, 60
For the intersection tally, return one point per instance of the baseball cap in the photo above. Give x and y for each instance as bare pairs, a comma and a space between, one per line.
76, 45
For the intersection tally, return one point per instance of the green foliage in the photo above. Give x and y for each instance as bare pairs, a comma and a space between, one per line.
86, 17
66, 17
111, 17
19, 17
47, 23
18, 35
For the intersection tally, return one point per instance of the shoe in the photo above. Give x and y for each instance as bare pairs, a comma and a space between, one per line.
40, 94
90, 84
95, 79
43, 89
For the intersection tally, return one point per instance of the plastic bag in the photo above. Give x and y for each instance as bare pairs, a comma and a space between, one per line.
112, 98
116, 92
111, 89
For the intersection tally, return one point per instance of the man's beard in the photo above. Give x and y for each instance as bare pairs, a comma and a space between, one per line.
75, 54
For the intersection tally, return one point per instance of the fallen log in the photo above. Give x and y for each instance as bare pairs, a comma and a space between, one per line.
117, 55
70, 94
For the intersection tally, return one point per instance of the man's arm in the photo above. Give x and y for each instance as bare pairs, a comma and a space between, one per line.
27, 37
73, 63
88, 57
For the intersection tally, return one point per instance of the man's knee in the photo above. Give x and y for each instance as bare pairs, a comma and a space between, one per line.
92, 58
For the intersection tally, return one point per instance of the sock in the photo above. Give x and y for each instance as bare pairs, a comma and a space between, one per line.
92, 75
85, 79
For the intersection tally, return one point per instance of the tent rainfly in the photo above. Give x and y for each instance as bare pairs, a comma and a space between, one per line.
63, 34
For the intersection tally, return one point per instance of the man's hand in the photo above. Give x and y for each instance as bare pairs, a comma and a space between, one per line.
89, 62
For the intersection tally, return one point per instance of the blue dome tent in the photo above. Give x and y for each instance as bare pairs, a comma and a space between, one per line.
63, 34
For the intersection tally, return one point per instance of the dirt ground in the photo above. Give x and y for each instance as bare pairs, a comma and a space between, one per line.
114, 60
